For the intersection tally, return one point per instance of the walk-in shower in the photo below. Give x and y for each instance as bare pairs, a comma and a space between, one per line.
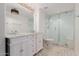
60, 28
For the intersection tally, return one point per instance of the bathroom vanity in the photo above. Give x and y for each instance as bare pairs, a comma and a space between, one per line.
23, 45
21, 38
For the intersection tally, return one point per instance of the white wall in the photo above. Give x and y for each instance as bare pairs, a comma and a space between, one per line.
39, 19
36, 18
18, 23
77, 28
2, 20
42, 22
21, 23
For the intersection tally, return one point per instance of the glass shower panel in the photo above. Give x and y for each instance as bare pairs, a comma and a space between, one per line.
60, 28
52, 29
66, 28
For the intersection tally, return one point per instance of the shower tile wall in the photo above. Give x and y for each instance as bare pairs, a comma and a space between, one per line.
67, 29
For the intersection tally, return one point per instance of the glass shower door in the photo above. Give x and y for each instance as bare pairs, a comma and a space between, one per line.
53, 28
61, 28
67, 28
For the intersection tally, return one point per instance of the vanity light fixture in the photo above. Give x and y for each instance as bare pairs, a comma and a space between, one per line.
14, 11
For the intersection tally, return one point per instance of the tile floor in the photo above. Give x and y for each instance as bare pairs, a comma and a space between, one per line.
56, 50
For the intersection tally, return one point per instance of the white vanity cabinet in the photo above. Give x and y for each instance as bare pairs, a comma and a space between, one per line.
26, 45
22, 46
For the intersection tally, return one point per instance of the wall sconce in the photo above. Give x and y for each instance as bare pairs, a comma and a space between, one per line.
14, 11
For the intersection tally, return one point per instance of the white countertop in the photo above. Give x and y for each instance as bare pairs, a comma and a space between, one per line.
17, 35
20, 35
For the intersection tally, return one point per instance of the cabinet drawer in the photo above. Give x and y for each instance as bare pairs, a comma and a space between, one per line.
18, 40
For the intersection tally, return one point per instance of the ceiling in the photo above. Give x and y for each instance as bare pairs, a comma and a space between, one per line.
52, 8
47, 8
22, 11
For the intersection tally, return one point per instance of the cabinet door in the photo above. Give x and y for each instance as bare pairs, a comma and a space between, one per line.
31, 43
39, 42
16, 46
15, 50
26, 47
